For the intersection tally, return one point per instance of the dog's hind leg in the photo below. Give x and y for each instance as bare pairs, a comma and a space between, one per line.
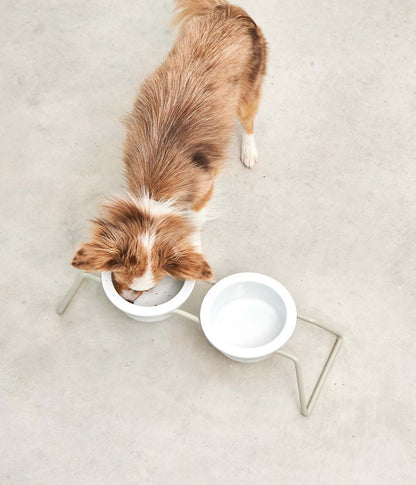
251, 85
247, 112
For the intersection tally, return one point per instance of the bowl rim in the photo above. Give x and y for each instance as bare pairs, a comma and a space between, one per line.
145, 311
248, 352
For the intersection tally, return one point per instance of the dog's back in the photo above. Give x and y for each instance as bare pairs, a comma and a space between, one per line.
185, 112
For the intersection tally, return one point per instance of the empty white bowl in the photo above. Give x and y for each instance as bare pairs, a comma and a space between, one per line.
156, 305
248, 316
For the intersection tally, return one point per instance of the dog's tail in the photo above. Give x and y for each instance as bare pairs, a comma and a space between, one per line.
186, 9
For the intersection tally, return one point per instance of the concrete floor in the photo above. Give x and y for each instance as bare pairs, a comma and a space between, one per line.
94, 398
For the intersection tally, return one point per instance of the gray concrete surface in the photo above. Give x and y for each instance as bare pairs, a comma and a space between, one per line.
94, 398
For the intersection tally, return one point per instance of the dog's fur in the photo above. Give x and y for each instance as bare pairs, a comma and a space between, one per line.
177, 134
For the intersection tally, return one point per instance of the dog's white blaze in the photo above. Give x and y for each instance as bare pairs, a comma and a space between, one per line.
248, 150
147, 239
145, 282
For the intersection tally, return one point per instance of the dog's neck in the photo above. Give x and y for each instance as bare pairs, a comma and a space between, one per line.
170, 207
156, 207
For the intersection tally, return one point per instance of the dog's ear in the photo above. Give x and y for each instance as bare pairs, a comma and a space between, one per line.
189, 266
93, 257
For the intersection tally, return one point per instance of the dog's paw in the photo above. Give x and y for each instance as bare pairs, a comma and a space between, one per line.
130, 295
248, 151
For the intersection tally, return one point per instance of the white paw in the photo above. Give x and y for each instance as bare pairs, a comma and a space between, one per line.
248, 150
200, 217
196, 241
129, 295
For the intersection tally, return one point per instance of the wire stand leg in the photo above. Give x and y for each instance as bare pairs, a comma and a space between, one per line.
307, 407
79, 279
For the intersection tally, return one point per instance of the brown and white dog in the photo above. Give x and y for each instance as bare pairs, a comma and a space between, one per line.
177, 134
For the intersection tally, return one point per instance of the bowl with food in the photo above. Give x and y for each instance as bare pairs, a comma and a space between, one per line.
152, 305
248, 316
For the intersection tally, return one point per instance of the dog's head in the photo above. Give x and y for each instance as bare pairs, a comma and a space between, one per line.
141, 241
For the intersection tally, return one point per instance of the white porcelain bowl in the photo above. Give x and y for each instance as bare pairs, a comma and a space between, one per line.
150, 310
248, 316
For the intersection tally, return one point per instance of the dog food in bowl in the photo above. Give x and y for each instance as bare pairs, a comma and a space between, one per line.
161, 293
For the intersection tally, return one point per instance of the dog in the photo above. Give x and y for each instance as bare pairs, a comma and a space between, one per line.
177, 134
